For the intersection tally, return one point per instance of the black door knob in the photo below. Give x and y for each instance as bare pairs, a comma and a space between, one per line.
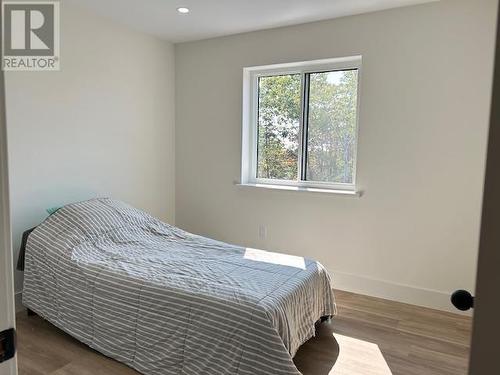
462, 300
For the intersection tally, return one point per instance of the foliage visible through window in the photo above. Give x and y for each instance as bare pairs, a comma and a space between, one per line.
278, 131
331, 131
306, 126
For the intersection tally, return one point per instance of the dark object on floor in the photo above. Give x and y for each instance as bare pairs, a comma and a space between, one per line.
462, 300
31, 312
7, 344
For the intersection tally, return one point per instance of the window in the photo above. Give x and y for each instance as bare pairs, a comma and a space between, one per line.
300, 124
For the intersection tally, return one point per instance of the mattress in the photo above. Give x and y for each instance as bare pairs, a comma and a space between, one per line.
165, 301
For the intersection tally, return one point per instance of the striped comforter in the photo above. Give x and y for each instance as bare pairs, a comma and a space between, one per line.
165, 301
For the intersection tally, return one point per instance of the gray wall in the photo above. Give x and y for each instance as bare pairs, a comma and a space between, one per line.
102, 126
426, 84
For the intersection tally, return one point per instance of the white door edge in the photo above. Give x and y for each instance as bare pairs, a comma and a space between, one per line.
7, 308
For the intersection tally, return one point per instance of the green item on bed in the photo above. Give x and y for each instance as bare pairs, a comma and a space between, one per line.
52, 210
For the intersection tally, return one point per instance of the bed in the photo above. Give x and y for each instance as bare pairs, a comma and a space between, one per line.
165, 301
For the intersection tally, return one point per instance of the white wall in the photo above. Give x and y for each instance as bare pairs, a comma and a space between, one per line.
413, 235
102, 126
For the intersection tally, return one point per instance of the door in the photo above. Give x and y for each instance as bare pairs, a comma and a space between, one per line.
7, 316
485, 352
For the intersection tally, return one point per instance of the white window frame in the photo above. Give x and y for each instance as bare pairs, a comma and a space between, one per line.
251, 77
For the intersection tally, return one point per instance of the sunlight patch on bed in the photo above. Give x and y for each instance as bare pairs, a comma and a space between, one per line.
275, 258
359, 357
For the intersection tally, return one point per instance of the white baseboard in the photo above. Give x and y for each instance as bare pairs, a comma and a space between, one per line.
18, 296
433, 299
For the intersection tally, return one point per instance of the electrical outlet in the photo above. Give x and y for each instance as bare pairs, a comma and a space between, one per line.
262, 232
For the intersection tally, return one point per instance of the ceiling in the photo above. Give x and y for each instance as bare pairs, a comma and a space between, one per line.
212, 18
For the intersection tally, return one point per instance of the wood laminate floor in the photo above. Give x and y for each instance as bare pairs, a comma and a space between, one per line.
370, 336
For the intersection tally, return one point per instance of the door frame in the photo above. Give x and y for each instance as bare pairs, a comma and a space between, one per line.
7, 301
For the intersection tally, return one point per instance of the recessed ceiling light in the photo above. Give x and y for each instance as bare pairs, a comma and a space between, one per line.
183, 10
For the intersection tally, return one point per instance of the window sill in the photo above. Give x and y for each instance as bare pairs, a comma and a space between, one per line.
348, 193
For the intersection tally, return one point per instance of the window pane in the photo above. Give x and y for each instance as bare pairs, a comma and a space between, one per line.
278, 127
332, 126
